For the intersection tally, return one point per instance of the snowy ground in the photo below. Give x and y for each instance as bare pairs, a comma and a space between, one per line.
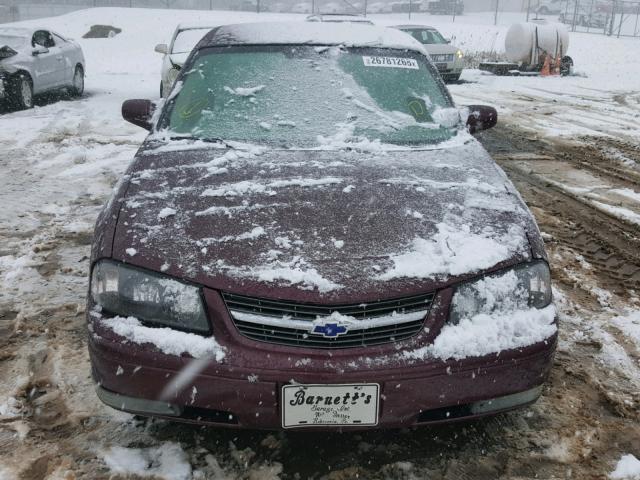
571, 147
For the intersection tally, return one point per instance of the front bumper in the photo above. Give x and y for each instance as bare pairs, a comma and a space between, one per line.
244, 390
439, 396
450, 70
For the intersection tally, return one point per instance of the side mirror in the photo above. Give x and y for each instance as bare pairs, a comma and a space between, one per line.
139, 112
39, 50
162, 48
481, 117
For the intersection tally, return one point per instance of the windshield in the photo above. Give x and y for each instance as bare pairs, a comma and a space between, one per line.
186, 39
311, 96
11, 41
426, 36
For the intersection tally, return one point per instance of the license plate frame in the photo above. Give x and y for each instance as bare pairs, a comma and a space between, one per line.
442, 67
320, 414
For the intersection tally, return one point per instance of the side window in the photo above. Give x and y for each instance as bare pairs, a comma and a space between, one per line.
50, 41
43, 38
37, 39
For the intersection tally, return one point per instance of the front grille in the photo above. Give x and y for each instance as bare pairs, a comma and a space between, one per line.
442, 57
290, 323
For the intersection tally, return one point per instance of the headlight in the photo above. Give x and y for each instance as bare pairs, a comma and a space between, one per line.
459, 54
151, 297
523, 287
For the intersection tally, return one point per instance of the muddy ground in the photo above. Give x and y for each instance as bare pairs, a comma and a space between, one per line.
586, 419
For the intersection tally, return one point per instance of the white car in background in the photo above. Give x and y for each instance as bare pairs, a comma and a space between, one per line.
550, 7
37, 61
447, 57
176, 52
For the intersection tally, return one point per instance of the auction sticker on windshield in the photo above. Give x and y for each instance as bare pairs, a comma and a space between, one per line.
341, 405
391, 62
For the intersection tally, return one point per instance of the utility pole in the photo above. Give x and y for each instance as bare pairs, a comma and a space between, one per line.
621, 20
528, 9
590, 15
365, 8
257, 6
410, 8
613, 18
495, 18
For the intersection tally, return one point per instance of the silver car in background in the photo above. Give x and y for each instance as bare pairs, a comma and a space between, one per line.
447, 57
176, 52
37, 61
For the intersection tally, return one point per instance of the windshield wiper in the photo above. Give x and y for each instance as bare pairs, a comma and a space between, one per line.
205, 140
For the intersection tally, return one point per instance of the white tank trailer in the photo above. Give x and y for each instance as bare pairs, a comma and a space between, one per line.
529, 45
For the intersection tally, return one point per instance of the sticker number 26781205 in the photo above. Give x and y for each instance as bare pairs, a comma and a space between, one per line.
391, 62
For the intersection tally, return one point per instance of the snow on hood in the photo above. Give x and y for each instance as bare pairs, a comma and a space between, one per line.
328, 223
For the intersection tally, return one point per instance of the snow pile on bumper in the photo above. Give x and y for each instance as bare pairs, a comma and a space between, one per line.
167, 340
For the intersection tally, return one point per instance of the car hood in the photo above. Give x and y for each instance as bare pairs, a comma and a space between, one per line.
11, 60
316, 224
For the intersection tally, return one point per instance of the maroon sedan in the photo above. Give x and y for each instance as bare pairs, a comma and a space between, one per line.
311, 237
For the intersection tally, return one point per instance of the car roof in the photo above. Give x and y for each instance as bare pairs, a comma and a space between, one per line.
414, 26
350, 15
196, 26
310, 33
340, 17
26, 31
18, 31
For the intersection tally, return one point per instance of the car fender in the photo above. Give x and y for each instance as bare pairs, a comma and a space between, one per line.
75, 56
107, 220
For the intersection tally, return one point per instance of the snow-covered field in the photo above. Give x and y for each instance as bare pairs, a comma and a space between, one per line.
573, 139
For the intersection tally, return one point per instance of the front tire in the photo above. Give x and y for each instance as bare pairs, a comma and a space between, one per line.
22, 92
77, 85
452, 78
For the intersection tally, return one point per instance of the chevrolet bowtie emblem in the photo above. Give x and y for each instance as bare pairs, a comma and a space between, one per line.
330, 330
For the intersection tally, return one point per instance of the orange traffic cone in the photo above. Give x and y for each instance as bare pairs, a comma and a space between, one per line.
546, 67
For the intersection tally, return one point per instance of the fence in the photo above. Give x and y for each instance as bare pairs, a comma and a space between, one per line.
615, 17
609, 17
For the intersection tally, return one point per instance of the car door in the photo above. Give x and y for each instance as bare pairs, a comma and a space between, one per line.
48, 63
69, 53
